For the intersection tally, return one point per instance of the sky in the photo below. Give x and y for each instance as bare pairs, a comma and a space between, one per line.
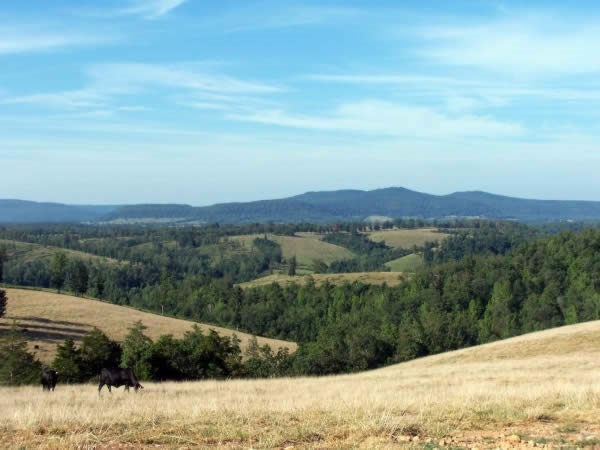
202, 102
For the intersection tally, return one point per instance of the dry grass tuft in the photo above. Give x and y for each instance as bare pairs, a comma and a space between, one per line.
547, 391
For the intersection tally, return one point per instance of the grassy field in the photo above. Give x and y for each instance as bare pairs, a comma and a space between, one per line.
538, 390
391, 278
27, 253
408, 263
407, 238
50, 318
305, 246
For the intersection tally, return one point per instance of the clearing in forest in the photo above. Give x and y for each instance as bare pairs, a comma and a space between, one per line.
306, 247
390, 278
407, 238
48, 319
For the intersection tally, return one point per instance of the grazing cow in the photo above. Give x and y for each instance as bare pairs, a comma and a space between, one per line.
49, 378
119, 377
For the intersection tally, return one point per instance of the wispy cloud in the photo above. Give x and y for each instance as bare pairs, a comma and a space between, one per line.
385, 118
75, 99
466, 92
277, 15
150, 9
131, 75
110, 84
531, 45
27, 39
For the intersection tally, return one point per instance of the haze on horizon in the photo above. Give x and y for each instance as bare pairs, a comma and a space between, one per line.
184, 101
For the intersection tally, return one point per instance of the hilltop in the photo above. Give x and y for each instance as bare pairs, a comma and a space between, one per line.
48, 319
313, 207
536, 390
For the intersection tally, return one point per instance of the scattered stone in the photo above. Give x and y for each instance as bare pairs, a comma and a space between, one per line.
415, 439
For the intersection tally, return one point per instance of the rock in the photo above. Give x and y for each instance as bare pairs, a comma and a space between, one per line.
415, 439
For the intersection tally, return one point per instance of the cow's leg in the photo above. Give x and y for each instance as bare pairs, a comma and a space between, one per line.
127, 387
100, 387
108, 386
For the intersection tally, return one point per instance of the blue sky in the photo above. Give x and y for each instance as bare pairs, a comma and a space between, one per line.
199, 102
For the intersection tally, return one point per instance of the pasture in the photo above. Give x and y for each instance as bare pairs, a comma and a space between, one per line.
25, 252
537, 390
305, 246
390, 278
407, 238
408, 263
49, 318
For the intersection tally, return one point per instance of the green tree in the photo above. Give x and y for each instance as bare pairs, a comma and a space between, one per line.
3, 258
137, 351
68, 362
292, 266
97, 351
3, 302
58, 270
78, 276
17, 365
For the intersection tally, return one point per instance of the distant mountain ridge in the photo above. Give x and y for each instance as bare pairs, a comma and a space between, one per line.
314, 207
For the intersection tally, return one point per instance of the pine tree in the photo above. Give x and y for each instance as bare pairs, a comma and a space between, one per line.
137, 351
68, 362
17, 365
58, 270
3, 302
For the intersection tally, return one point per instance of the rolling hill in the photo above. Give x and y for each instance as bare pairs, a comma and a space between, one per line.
48, 319
314, 207
538, 390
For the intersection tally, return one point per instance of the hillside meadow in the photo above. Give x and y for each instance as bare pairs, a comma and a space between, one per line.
389, 278
537, 390
26, 252
49, 318
407, 238
306, 247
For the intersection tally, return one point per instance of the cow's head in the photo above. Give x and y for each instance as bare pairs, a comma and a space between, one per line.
138, 386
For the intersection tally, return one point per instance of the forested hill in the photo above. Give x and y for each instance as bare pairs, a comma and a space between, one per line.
21, 211
316, 207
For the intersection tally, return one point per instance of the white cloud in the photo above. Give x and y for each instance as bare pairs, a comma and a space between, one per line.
276, 15
132, 75
27, 39
532, 46
81, 98
385, 118
151, 9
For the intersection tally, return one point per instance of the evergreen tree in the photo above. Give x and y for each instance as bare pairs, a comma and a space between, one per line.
58, 270
97, 351
3, 302
17, 365
3, 258
292, 266
68, 362
137, 351
78, 276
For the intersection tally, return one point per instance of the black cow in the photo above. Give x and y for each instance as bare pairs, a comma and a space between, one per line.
119, 377
49, 378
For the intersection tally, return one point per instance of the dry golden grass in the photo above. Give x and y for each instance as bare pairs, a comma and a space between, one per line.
26, 252
390, 278
542, 387
50, 318
306, 247
407, 238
